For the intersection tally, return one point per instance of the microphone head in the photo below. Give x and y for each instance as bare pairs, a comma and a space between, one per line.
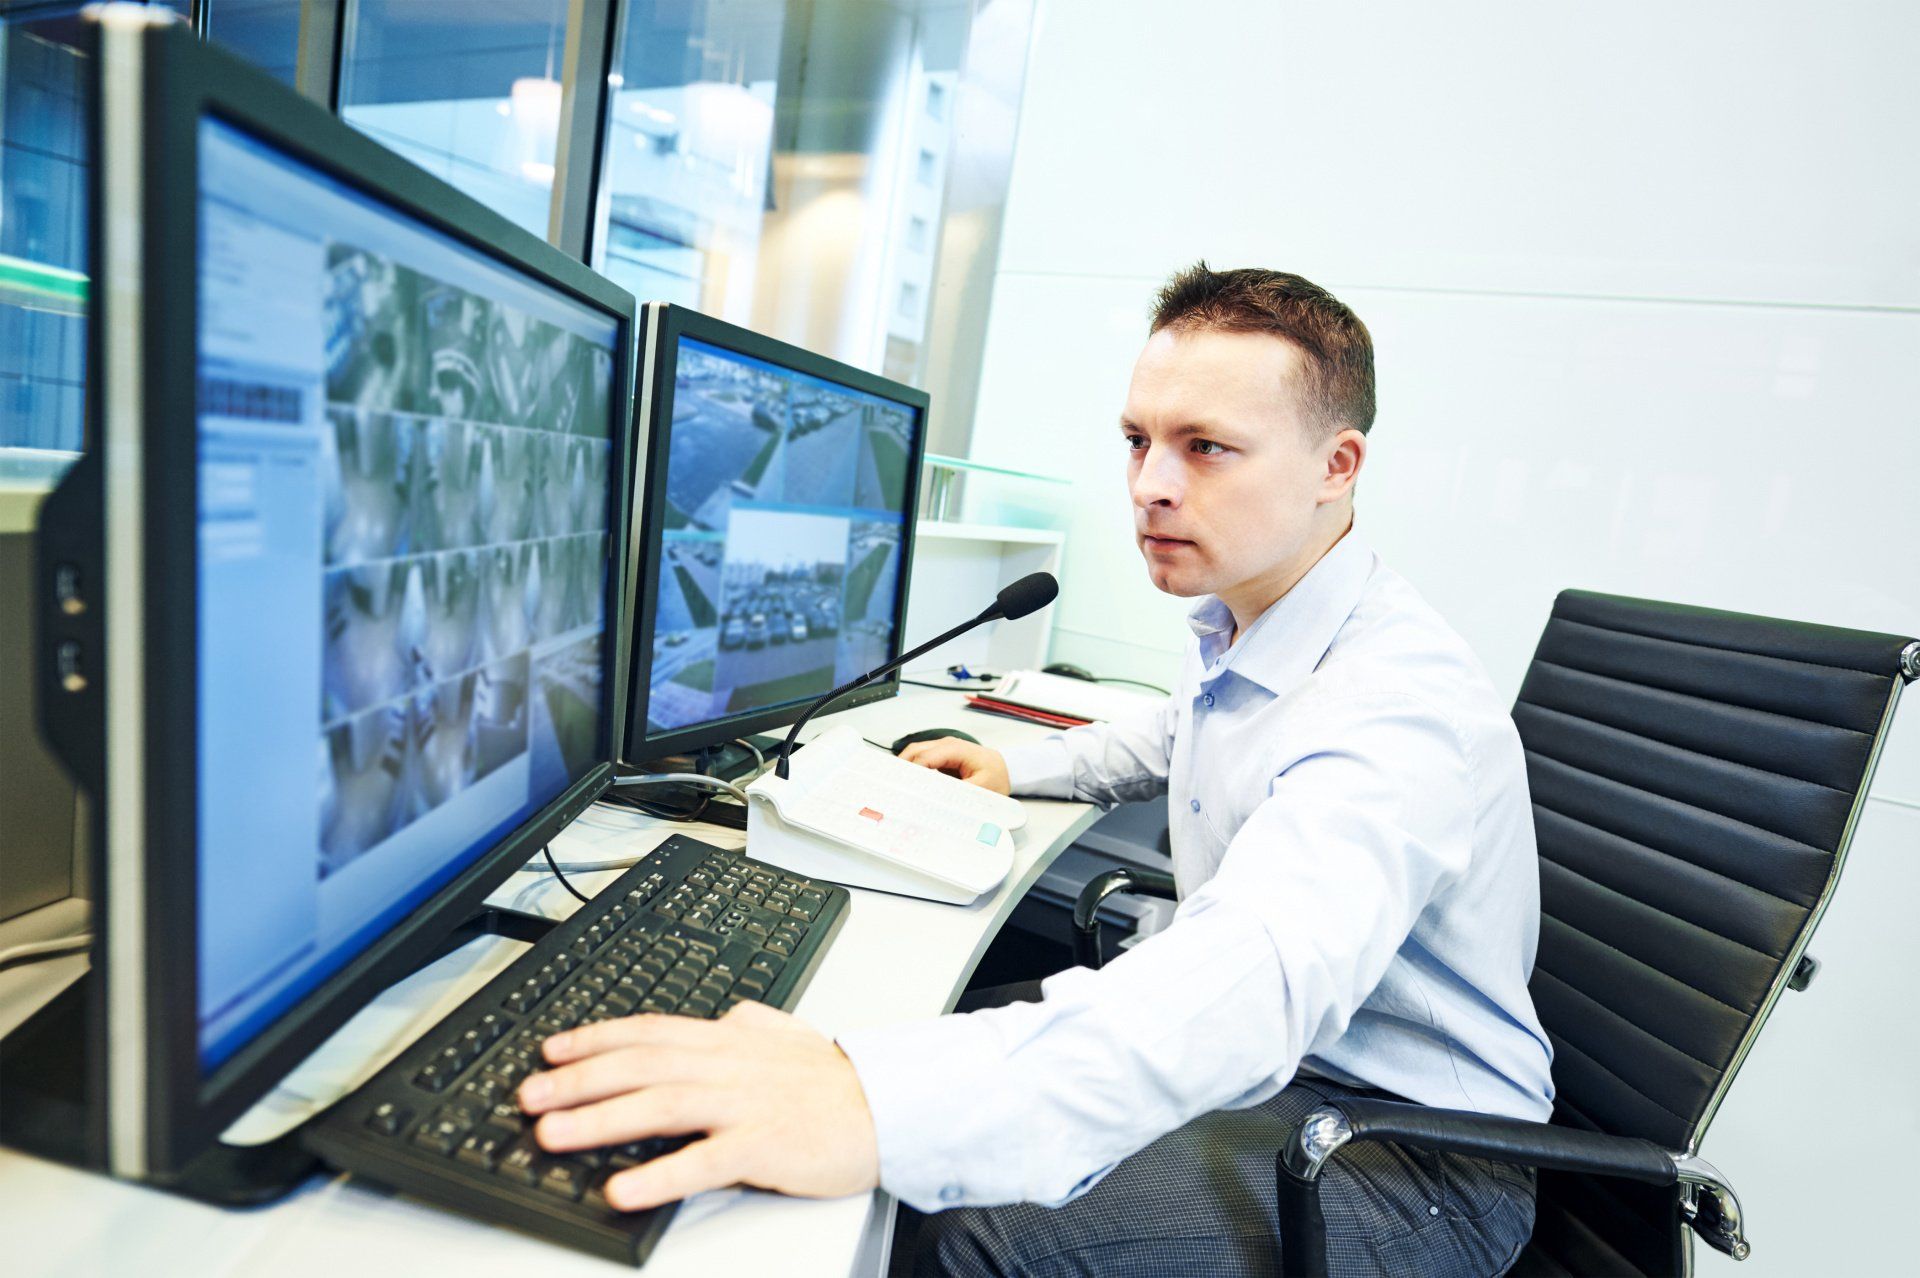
1029, 594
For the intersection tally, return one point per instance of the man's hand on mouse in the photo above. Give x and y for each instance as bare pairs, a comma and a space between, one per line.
779, 1102
972, 763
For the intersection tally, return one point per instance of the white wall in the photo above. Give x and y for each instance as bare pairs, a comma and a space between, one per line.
1644, 282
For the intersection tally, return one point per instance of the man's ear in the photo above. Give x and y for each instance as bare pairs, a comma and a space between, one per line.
1346, 454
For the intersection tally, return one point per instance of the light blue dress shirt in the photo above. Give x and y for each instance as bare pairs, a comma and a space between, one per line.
1360, 899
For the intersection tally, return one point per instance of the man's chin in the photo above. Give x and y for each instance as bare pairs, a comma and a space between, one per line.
1181, 585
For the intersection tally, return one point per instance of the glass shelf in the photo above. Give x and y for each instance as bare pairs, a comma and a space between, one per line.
957, 490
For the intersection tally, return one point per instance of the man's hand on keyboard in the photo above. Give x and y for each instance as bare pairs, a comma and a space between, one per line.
781, 1105
973, 763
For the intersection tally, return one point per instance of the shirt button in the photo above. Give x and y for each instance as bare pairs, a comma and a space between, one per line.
952, 1194
1194, 804
1208, 698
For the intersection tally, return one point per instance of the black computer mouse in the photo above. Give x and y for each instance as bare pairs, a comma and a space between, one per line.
1071, 671
931, 734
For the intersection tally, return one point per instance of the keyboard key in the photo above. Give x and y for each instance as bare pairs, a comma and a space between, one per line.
523, 998
621, 1001
442, 1133
770, 964
779, 946
388, 1118
521, 1162
433, 1077
483, 1149
507, 1116
752, 985
483, 1091
563, 1179
699, 1005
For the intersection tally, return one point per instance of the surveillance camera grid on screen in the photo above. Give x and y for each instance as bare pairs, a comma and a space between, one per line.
780, 554
465, 545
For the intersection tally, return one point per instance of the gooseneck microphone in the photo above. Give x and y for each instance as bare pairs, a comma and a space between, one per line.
1028, 595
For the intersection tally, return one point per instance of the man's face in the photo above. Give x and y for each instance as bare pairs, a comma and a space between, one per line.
1225, 470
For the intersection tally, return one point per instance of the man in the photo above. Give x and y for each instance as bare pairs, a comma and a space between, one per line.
1360, 898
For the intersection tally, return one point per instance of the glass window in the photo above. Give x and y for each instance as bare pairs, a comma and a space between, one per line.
782, 164
43, 285
265, 32
469, 92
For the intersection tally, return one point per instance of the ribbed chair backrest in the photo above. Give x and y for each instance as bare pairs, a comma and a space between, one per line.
1696, 776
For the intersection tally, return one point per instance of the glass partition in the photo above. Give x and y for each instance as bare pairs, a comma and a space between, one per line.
831, 172
784, 165
469, 92
265, 32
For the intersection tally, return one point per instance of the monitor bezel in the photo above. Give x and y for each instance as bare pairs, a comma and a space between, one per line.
185, 82
666, 324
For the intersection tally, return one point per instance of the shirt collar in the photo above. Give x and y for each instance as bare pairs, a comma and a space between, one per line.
1286, 642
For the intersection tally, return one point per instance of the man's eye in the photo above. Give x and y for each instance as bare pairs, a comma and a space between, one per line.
1207, 448
1135, 442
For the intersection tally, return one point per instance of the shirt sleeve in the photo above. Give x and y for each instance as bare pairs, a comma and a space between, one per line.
1368, 816
1123, 761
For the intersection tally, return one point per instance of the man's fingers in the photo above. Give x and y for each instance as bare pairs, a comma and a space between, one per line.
649, 1030
713, 1163
672, 1109
595, 1078
944, 755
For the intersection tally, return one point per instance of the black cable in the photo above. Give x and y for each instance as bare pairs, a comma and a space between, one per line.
944, 687
1138, 683
547, 851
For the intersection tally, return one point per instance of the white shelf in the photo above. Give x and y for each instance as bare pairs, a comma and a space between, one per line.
1003, 533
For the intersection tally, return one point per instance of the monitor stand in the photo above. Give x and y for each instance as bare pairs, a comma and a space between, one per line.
728, 761
49, 1108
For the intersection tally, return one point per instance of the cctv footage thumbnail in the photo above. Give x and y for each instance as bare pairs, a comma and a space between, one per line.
465, 463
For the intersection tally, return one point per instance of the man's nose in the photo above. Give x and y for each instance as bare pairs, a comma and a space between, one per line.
1157, 480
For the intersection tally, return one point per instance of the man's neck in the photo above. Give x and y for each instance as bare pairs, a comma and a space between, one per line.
1250, 599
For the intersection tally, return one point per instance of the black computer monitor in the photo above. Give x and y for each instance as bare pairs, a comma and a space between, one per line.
776, 533
364, 459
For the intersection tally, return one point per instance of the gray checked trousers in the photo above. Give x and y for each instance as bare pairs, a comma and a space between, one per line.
1201, 1201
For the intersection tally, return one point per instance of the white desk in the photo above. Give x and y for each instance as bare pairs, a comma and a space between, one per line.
57, 1221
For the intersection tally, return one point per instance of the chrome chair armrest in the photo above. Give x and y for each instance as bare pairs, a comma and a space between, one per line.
1707, 1201
1086, 910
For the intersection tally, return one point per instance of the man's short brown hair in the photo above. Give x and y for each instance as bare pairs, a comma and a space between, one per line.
1337, 381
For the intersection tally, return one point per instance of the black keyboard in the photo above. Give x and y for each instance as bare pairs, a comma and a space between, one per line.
691, 930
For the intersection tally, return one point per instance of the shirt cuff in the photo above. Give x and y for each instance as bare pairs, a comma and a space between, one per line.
924, 1082
1040, 769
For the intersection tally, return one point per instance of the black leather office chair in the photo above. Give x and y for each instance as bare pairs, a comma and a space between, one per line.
1696, 778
